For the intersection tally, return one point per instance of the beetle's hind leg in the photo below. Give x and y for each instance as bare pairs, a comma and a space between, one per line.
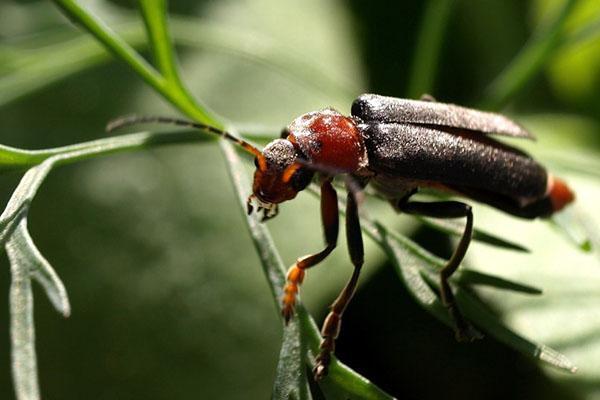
449, 209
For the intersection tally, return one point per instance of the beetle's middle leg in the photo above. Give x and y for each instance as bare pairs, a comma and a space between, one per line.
333, 321
295, 276
449, 209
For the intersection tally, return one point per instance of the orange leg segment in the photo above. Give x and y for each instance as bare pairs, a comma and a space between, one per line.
296, 273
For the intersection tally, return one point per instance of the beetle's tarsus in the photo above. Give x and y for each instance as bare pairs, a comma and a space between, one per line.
464, 332
287, 312
323, 360
295, 276
320, 370
468, 335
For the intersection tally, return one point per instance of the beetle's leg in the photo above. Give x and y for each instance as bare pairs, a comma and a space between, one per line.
295, 275
449, 209
332, 324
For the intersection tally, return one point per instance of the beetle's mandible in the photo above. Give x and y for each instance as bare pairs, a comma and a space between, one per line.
397, 146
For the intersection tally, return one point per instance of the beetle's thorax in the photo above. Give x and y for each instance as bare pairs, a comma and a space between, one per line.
321, 141
329, 140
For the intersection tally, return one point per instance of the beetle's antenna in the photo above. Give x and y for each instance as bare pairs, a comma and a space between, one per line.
135, 120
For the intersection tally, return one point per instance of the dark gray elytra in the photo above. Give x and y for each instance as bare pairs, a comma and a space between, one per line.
372, 107
425, 141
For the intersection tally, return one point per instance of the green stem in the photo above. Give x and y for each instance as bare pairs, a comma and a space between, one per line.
112, 42
32, 72
14, 158
154, 15
123, 51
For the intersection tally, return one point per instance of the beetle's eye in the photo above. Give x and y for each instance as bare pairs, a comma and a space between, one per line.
256, 162
285, 132
301, 178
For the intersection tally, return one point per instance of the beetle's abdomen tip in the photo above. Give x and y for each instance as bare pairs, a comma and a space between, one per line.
560, 194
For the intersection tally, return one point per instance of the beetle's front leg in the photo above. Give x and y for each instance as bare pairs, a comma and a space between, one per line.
449, 209
295, 275
332, 324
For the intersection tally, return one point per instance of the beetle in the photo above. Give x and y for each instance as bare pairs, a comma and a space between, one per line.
398, 146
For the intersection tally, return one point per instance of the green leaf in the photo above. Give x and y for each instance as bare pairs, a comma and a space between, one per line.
571, 228
290, 376
22, 330
166, 86
13, 158
154, 14
26, 263
455, 228
18, 205
468, 277
418, 269
22, 250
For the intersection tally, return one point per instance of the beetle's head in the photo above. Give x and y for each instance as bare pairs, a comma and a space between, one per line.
281, 170
279, 176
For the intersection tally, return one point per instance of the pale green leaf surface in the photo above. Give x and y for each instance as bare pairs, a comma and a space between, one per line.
19, 202
290, 377
23, 251
22, 334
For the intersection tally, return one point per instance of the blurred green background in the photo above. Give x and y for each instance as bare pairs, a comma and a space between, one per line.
168, 296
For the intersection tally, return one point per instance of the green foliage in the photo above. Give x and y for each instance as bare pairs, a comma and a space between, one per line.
334, 84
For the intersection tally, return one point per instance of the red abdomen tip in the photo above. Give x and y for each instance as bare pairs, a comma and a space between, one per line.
560, 194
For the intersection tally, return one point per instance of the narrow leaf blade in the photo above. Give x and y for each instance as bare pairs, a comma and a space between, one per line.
456, 229
290, 378
22, 329
40, 269
469, 277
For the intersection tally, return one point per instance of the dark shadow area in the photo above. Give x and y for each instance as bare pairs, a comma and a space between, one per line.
389, 338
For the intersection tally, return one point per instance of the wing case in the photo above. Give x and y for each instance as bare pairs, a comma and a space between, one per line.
375, 108
454, 159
